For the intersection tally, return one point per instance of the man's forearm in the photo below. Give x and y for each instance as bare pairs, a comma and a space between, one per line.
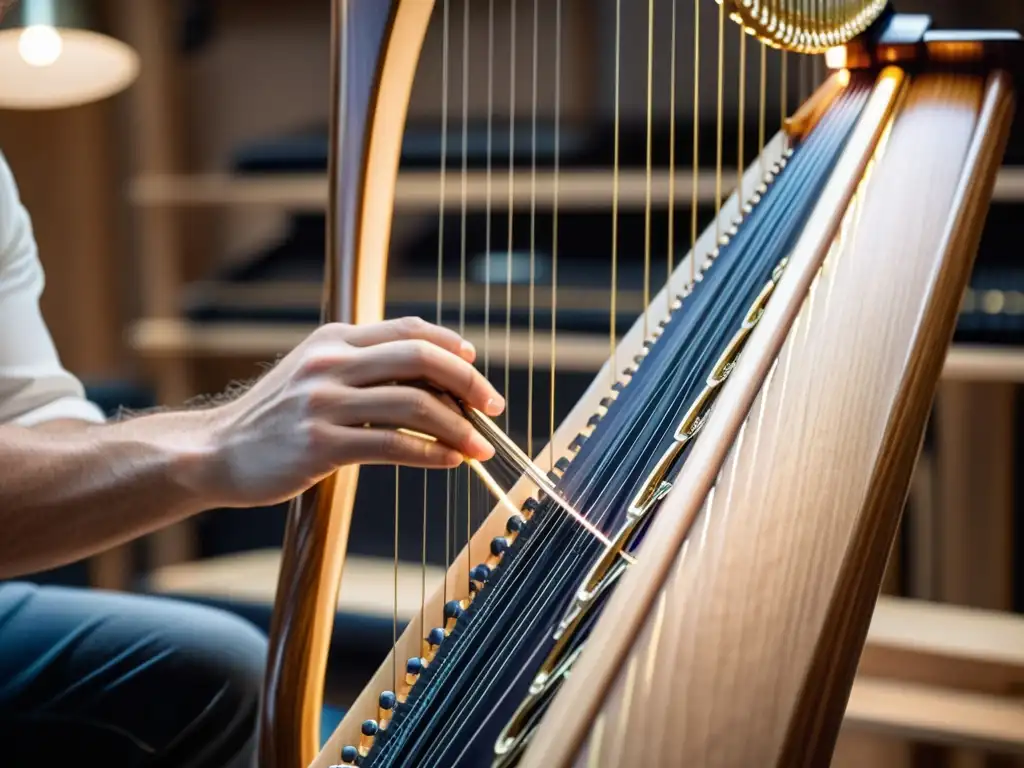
68, 490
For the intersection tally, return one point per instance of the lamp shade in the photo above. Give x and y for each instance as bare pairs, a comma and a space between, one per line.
50, 58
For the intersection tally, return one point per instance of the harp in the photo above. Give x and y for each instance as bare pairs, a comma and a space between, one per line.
713, 516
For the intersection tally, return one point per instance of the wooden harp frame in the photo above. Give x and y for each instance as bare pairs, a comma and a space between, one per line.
771, 547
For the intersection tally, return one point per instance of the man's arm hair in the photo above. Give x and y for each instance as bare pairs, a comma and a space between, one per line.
69, 489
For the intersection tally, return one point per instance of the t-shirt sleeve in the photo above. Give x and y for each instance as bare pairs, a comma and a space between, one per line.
34, 385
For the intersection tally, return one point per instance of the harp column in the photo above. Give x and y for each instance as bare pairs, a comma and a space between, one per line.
375, 50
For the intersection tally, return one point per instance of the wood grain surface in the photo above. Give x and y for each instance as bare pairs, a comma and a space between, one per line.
748, 653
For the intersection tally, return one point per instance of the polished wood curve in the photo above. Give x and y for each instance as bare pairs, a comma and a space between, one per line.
748, 651
371, 78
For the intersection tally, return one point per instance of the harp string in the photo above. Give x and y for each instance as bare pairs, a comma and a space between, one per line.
462, 255
533, 232
695, 190
489, 202
648, 166
394, 613
741, 120
784, 91
671, 236
719, 123
762, 105
613, 309
445, 44
805, 77
511, 209
554, 231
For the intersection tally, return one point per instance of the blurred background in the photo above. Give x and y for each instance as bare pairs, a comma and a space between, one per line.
180, 222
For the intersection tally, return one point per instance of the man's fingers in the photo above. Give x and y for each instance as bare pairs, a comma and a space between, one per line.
415, 409
418, 360
388, 446
410, 328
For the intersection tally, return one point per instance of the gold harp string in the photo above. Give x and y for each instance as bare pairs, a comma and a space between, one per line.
647, 179
554, 225
487, 236
784, 97
533, 231
762, 107
511, 211
462, 257
671, 244
426, 473
423, 556
719, 123
742, 120
614, 367
647, 190
804, 77
440, 256
394, 617
695, 191
488, 204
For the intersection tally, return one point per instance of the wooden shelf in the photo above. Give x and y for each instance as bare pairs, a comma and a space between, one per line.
980, 363
588, 189
936, 716
367, 586
577, 352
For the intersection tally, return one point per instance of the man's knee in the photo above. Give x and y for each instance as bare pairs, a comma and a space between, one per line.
224, 658
226, 646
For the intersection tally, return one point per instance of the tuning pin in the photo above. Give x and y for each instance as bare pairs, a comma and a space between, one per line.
515, 524
433, 642
562, 464
481, 573
577, 443
386, 708
530, 506
498, 546
452, 611
349, 756
413, 667
479, 576
369, 733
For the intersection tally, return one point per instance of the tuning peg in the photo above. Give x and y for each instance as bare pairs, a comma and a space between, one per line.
452, 612
498, 546
433, 642
369, 733
386, 708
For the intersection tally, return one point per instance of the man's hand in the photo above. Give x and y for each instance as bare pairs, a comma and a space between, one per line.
339, 398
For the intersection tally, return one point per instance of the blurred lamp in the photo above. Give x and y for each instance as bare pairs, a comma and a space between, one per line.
50, 57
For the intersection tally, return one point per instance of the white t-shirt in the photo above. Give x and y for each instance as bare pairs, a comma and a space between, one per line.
34, 386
